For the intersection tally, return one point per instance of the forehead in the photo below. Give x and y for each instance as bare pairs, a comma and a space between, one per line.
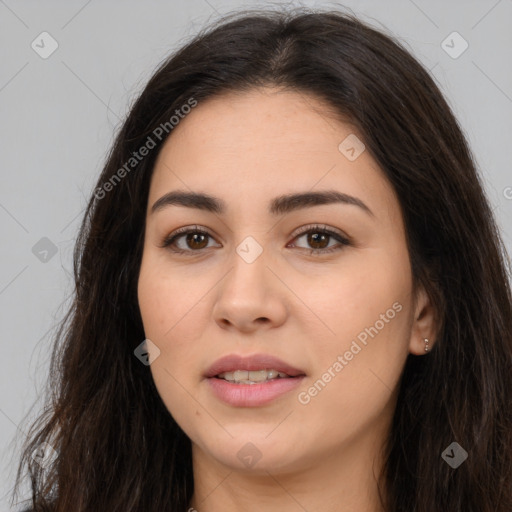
261, 143
269, 120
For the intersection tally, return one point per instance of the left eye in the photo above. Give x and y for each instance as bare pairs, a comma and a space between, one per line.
319, 239
197, 239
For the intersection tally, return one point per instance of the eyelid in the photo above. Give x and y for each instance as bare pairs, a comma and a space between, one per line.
322, 227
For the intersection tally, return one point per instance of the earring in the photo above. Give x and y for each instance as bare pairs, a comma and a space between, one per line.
426, 344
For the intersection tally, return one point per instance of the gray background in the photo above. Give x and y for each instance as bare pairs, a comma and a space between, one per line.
59, 114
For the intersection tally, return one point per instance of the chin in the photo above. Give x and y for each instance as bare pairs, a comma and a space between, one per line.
257, 459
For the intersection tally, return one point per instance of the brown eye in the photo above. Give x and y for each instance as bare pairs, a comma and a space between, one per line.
318, 240
196, 240
187, 240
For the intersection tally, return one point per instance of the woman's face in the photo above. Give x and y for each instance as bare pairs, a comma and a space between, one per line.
337, 324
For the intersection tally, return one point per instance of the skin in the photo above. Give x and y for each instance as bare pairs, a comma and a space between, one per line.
246, 149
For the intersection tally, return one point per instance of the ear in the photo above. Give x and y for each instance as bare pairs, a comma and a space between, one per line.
423, 324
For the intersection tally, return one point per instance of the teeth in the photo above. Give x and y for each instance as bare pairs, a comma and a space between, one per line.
251, 377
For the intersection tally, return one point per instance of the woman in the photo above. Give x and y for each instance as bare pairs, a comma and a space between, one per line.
291, 293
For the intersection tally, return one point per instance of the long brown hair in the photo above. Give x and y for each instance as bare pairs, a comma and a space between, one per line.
118, 447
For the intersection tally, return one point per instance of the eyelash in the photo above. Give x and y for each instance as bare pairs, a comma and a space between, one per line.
170, 240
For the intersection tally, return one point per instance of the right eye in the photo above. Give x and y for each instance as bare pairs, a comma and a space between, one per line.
193, 240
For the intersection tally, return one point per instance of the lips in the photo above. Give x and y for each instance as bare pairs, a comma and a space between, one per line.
247, 393
235, 362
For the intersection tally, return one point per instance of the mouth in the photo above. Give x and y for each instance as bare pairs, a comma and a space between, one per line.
252, 381
252, 377
255, 368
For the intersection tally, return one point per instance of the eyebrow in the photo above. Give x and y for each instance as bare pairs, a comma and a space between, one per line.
277, 206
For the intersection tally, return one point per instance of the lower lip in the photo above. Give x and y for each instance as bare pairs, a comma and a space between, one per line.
252, 395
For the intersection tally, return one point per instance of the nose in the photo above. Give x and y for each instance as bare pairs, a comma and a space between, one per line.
250, 297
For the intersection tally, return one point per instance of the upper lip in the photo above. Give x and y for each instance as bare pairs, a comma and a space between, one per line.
234, 362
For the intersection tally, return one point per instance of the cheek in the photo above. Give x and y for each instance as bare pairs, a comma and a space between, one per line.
368, 311
171, 316
174, 314
352, 384
164, 300
354, 298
